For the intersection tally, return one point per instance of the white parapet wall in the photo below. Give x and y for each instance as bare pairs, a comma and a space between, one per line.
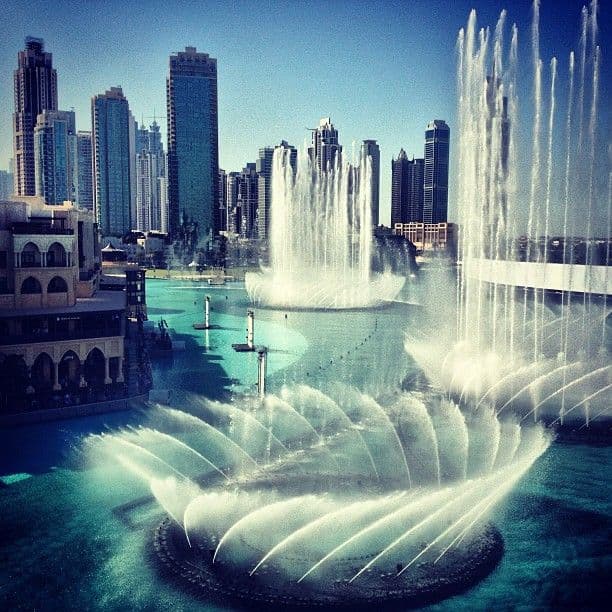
552, 276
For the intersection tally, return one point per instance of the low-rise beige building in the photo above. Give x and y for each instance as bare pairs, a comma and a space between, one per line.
62, 340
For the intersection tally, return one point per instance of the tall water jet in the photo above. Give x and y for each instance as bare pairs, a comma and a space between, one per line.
508, 313
320, 238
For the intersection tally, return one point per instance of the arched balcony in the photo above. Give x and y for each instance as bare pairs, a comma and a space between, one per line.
56, 256
30, 256
57, 285
69, 370
31, 286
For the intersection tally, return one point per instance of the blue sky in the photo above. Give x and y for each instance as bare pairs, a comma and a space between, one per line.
379, 69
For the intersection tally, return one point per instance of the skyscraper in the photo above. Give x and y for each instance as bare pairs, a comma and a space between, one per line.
325, 149
193, 156
222, 210
55, 156
150, 168
84, 195
233, 210
111, 153
264, 173
6, 184
370, 148
35, 89
248, 192
406, 189
435, 187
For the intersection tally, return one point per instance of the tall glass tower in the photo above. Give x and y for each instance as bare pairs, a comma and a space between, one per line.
111, 159
370, 148
435, 187
406, 189
85, 171
325, 149
35, 88
55, 153
193, 153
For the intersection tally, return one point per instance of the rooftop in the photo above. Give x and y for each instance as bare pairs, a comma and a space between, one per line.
100, 302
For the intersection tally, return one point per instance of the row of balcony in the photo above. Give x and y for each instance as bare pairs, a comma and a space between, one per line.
39, 228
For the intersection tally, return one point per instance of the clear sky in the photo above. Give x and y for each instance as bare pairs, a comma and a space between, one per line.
380, 69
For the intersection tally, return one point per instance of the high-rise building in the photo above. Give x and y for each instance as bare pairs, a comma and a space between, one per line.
370, 148
35, 89
6, 184
234, 215
84, 196
111, 154
248, 201
150, 168
222, 211
435, 187
325, 150
193, 156
55, 156
264, 173
406, 189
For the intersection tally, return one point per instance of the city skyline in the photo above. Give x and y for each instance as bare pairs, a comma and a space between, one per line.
387, 90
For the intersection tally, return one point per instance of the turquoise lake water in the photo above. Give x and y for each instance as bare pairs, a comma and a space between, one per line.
64, 544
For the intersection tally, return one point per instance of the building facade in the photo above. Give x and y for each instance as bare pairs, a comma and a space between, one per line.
35, 90
193, 157
62, 340
264, 174
222, 210
325, 150
370, 148
406, 189
150, 175
111, 161
430, 237
55, 157
84, 195
6, 184
435, 187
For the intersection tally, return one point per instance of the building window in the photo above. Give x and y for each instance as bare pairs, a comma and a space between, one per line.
3, 260
30, 256
57, 285
30, 286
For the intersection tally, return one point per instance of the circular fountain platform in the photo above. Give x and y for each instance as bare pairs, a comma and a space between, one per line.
426, 582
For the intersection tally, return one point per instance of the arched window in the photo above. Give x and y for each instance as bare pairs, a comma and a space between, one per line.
57, 285
56, 256
69, 369
30, 256
42, 373
93, 368
30, 285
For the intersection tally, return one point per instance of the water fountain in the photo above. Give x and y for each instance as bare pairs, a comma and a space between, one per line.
305, 498
514, 345
320, 239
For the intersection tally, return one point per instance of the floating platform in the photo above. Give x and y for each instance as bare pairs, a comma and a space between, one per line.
203, 326
191, 566
244, 348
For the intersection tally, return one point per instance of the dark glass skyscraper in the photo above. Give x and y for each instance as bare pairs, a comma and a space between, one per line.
35, 88
55, 154
370, 148
111, 151
406, 189
85, 171
264, 172
193, 156
435, 189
